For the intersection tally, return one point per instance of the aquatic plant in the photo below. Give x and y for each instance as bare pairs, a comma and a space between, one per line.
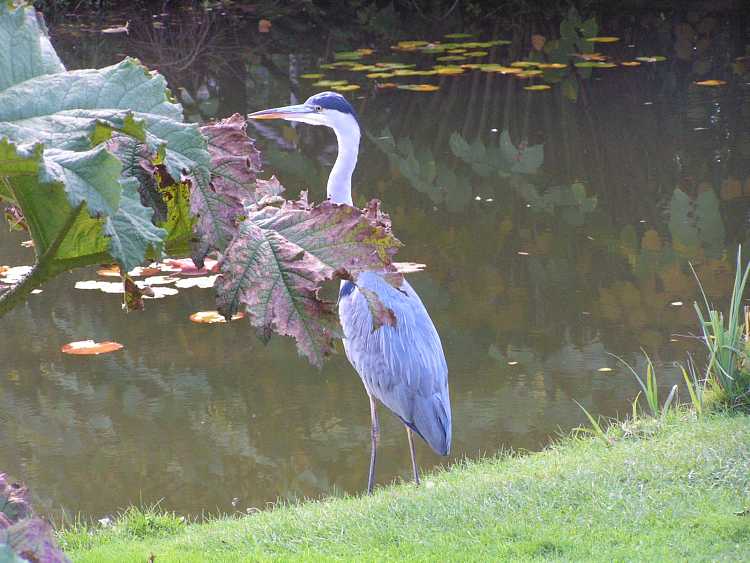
100, 166
726, 340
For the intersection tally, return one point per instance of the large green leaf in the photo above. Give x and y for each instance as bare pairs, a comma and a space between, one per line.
56, 164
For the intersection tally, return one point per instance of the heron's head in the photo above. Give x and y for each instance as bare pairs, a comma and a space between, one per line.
326, 108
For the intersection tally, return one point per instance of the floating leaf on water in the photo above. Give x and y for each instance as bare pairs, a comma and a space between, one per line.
386, 85
476, 54
210, 317
712, 82
595, 64
90, 348
528, 73
112, 271
537, 87
630, 63
409, 72
264, 26
654, 59
455, 51
365, 51
380, 75
552, 66
330, 83
363, 68
452, 58
346, 88
160, 292
418, 87
394, 66
459, 35
591, 56
311, 75
157, 280
471, 66
604, 370
200, 281
604, 39
524, 64
187, 267
449, 70
117, 29
409, 45
500, 69
347, 55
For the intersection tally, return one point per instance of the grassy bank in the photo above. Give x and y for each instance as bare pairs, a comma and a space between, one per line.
677, 489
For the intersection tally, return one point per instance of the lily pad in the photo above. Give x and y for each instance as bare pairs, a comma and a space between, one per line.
537, 87
419, 87
330, 83
712, 82
603, 39
211, 317
459, 35
654, 59
90, 348
447, 58
346, 87
311, 75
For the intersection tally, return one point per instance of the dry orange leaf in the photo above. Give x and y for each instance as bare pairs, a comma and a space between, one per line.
112, 271
90, 348
264, 26
210, 317
630, 63
386, 85
712, 82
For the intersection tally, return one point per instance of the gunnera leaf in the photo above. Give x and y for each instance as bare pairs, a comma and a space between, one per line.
14, 502
277, 264
219, 203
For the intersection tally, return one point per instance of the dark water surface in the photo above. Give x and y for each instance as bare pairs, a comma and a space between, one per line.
538, 267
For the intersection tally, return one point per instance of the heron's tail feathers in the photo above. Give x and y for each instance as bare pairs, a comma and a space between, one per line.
432, 421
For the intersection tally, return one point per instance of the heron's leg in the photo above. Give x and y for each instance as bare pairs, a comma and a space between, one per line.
413, 455
374, 436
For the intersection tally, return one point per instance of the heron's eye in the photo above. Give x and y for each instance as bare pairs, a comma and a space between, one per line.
318, 109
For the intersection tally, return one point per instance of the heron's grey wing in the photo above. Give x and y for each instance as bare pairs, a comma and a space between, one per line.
403, 366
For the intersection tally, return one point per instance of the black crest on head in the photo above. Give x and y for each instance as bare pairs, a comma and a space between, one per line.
332, 100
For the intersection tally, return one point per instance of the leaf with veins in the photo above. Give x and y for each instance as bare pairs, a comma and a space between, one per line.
277, 264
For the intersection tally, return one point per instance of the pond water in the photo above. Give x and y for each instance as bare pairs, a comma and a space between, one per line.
558, 226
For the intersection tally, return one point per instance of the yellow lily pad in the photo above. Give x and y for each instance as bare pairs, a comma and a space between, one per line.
447, 58
330, 83
449, 70
552, 66
528, 73
712, 82
419, 87
537, 87
410, 72
604, 39
380, 75
524, 64
499, 68
476, 54
346, 87
630, 63
654, 59
311, 75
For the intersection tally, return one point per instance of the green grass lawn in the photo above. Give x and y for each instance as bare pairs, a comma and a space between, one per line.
677, 490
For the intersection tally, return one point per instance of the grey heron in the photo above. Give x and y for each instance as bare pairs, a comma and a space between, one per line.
402, 366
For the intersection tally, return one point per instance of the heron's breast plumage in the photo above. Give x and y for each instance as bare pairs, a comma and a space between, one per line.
403, 366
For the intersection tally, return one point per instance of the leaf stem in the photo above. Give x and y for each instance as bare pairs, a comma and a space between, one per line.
45, 268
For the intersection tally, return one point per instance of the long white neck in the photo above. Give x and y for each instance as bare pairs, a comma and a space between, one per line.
340, 181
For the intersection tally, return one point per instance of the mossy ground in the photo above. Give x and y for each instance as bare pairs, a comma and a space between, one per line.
674, 489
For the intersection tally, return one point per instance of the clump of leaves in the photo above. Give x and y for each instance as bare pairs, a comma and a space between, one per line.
101, 166
22, 536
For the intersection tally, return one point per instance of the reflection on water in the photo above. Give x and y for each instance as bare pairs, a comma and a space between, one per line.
556, 232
